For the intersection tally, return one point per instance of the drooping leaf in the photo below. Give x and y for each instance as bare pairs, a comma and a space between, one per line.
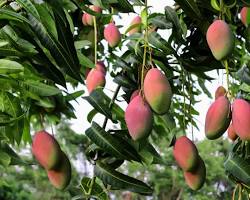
120, 181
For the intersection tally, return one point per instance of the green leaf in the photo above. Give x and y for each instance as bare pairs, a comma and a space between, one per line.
118, 180
238, 167
5, 159
172, 17
215, 5
156, 40
74, 95
85, 61
112, 145
10, 15
29, 7
57, 50
100, 101
96, 191
41, 89
190, 8
10, 67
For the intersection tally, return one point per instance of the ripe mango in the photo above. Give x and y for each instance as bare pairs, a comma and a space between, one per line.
157, 90
136, 20
220, 91
139, 118
95, 78
240, 118
231, 133
245, 15
112, 34
196, 179
89, 18
220, 39
60, 177
218, 118
134, 94
46, 150
185, 153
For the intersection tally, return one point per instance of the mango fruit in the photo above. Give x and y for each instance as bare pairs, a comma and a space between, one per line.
185, 153
220, 91
218, 118
134, 94
139, 118
220, 39
136, 27
88, 18
101, 67
46, 150
112, 34
60, 177
196, 178
245, 15
157, 90
240, 118
95, 79
232, 135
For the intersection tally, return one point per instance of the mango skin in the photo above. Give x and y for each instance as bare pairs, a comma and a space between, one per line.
89, 18
95, 78
101, 67
220, 39
157, 90
196, 179
232, 135
61, 176
134, 94
240, 118
139, 118
46, 150
84, 19
220, 91
185, 153
112, 35
136, 20
245, 16
218, 118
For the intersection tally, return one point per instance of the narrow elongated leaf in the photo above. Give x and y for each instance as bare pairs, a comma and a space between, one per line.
96, 191
100, 101
121, 181
10, 67
40, 88
112, 145
10, 15
190, 7
156, 40
61, 56
29, 7
239, 168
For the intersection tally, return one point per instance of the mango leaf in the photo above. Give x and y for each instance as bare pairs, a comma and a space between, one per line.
29, 7
100, 101
121, 181
112, 145
238, 167
41, 89
11, 15
10, 67
57, 50
190, 8
97, 191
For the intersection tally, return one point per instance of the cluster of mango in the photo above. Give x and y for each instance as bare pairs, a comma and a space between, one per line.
48, 153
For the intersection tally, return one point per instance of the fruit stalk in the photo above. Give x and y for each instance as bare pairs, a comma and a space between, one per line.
95, 39
145, 45
111, 104
227, 74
